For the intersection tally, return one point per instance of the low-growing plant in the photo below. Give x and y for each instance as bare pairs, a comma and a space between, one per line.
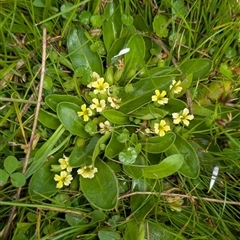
137, 134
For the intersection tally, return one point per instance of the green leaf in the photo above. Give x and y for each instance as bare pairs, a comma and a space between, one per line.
67, 14
97, 216
53, 100
140, 23
84, 17
108, 235
158, 144
91, 128
160, 25
78, 156
10, 164
142, 93
115, 48
48, 119
230, 52
132, 231
127, 19
165, 168
42, 182
18, 179
115, 116
200, 68
159, 230
74, 219
39, 3
47, 84
112, 25
190, 166
96, 20
84, 73
97, 148
128, 156
102, 190
141, 205
179, 8
3, 177
42, 154
134, 58
80, 53
67, 113
133, 171
114, 147
225, 70
149, 112
174, 105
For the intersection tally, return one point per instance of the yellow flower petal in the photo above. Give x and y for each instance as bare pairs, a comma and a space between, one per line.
87, 171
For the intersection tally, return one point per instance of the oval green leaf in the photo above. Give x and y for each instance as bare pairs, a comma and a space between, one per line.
135, 57
158, 144
190, 166
10, 164
97, 148
167, 167
18, 179
3, 177
42, 182
49, 120
102, 190
74, 219
67, 113
198, 67
142, 93
149, 112
80, 53
108, 235
78, 156
174, 105
114, 147
115, 116
111, 26
53, 100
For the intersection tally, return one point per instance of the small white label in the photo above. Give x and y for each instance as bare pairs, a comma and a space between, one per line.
122, 52
214, 177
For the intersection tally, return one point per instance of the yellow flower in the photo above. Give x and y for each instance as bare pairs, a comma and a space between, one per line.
86, 113
161, 128
147, 130
64, 163
87, 171
175, 203
100, 86
183, 116
114, 102
175, 86
98, 105
95, 77
63, 179
105, 127
177, 118
160, 97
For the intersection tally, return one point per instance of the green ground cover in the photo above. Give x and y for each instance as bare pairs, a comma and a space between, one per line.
119, 119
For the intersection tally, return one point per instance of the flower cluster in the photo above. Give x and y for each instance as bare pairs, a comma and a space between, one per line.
160, 98
182, 116
87, 171
100, 95
101, 98
175, 203
64, 178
